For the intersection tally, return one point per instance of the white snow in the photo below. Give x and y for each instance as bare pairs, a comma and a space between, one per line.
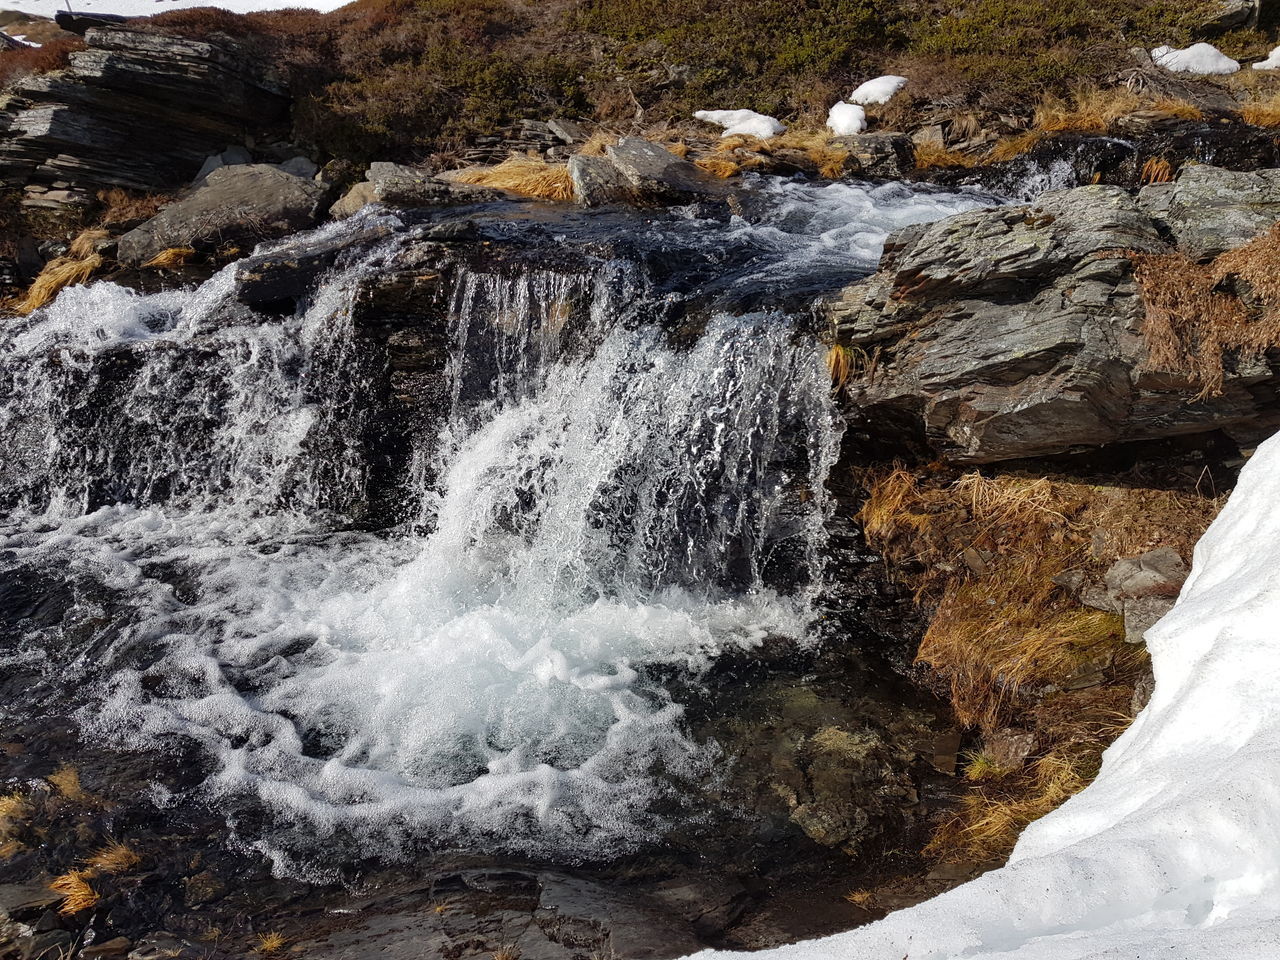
746, 122
1201, 58
846, 119
145, 8
879, 90
1174, 851
1271, 63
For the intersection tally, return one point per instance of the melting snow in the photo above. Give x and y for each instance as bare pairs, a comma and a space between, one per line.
1271, 63
1174, 851
879, 90
145, 8
846, 119
1201, 58
746, 122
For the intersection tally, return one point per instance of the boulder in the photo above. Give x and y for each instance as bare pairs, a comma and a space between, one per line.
596, 181
888, 156
235, 206
656, 173
1210, 210
353, 201
1017, 332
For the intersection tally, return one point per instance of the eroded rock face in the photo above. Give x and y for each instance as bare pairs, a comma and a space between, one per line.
1209, 210
1018, 331
235, 206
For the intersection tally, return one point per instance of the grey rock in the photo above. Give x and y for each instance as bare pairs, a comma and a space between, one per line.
353, 201
299, 167
1210, 210
1008, 748
1017, 332
229, 157
49, 945
658, 174
879, 155
1141, 614
238, 206
164, 946
115, 947
1224, 15
380, 169
412, 191
596, 181
569, 131
1157, 573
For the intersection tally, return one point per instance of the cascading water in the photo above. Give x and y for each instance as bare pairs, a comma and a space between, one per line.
603, 502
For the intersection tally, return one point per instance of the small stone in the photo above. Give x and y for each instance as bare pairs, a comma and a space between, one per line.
1008, 748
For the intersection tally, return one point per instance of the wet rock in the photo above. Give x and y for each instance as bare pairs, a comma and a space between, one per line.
235, 206
165, 946
204, 887
353, 201
596, 181
291, 271
1017, 332
115, 947
1210, 210
658, 174
50, 945
890, 156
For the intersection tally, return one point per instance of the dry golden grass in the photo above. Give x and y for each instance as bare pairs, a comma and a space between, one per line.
980, 768
985, 550
14, 810
527, 176
1156, 170
1089, 109
1015, 146
123, 206
85, 243
10, 849
1193, 325
721, 167
114, 857
1264, 112
508, 951
839, 364
66, 780
1175, 107
931, 155
828, 158
57, 274
270, 944
76, 891
597, 142
860, 898
170, 258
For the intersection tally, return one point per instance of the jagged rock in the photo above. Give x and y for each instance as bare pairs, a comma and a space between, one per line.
569, 131
1141, 614
658, 174
1157, 573
115, 947
596, 181
1224, 15
882, 155
135, 110
290, 272
1210, 210
237, 206
399, 186
1017, 332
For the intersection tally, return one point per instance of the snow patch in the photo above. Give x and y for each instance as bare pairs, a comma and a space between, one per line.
846, 119
146, 8
879, 90
745, 122
1174, 850
1199, 58
1271, 63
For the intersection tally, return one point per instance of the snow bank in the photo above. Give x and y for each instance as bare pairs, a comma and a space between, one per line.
145, 8
1202, 58
746, 122
879, 90
846, 119
1271, 63
1174, 851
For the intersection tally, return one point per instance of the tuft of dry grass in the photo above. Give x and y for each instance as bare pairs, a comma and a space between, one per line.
980, 767
85, 243
1193, 324
124, 206
114, 857
839, 364
508, 951
76, 891
527, 176
717, 166
1156, 170
860, 898
1088, 109
985, 551
1175, 107
57, 274
828, 158
1015, 146
66, 779
170, 258
13, 810
10, 849
1264, 112
597, 142
270, 944
931, 155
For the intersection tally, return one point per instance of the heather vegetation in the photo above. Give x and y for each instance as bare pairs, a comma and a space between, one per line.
406, 77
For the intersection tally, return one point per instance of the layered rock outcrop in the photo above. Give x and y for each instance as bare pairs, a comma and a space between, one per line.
1019, 331
134, 110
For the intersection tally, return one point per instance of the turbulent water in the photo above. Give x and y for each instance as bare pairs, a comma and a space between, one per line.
601, 503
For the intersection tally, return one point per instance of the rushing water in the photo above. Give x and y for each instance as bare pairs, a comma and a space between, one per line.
600, 503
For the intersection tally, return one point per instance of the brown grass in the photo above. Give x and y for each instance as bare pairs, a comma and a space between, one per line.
597, 142
508, 951
124, 206
828, 159
1181, 109
66, 780
860, 898
721, 167
839, 364
15, 64
1264, 112
14, 811
527, 176
270, 944
170, 258
114, 857
932, 155
1156, 170
1015, 146
1088, 109
76, 891
985, 551
1194, 324
57, 274
10, 849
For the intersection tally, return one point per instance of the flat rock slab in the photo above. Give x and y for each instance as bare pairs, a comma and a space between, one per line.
657, 173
